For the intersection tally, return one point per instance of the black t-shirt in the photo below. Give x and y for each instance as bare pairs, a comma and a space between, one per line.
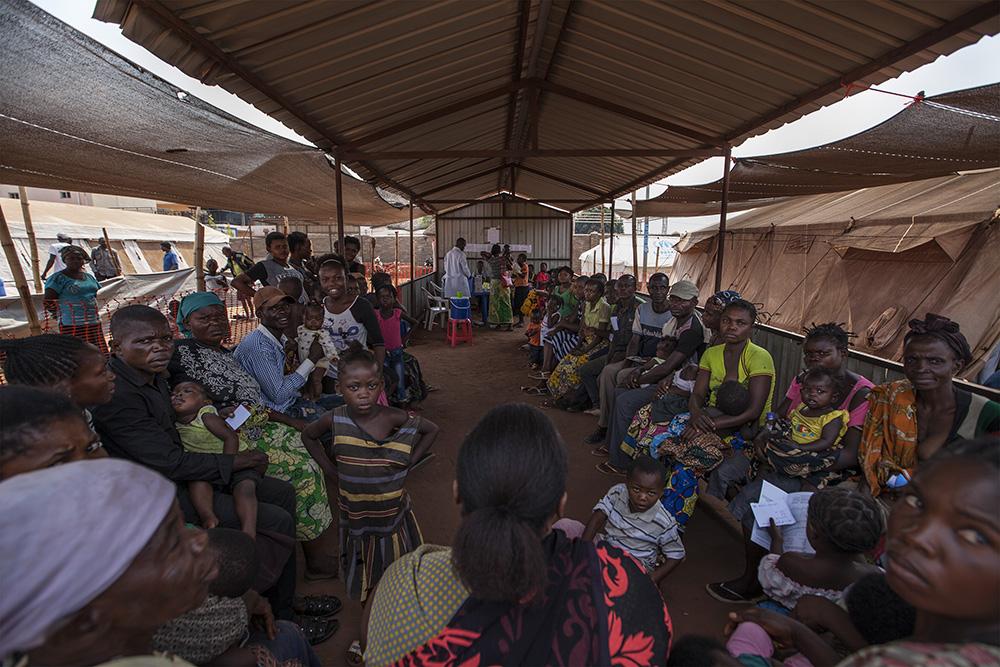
690, 340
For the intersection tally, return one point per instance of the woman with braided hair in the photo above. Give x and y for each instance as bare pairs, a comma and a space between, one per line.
841, 525
66, 364
910, 420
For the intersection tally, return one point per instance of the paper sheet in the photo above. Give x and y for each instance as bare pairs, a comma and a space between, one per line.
794, 534
766, 511
240, 415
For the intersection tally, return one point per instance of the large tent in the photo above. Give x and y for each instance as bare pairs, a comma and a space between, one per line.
874, 258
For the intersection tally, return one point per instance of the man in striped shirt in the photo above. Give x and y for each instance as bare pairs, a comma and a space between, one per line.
631, 517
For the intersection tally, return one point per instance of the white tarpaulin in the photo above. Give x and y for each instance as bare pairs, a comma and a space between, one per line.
116, 292
590, 260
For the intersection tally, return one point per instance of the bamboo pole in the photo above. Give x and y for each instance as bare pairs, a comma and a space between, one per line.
723, 208
329, 234
114, 255
284, 225
199, 251
635, 241
250, 237
604, 264
412, 261
16, 270
657, 268
29, 228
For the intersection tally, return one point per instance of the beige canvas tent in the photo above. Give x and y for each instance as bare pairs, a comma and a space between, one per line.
873, 258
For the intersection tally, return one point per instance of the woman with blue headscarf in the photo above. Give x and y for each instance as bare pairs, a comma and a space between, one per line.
203, 320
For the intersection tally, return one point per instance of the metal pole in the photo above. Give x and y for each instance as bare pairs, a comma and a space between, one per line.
29, 229
721, 252
635, 241
395, 264
645, 243
329, 233
17, 271
611, 250
250, 238
604, 263
199, 251
340, 204
657, 268
412, 261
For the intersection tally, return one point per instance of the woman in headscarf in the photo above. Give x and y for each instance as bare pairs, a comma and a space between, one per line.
911, 419
501, 311
95, 557
202, 318
511, 590
71, 295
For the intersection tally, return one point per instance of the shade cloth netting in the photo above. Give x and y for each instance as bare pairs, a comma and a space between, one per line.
76, 116
937, 136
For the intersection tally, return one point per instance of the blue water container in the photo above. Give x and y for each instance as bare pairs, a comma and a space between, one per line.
461, 309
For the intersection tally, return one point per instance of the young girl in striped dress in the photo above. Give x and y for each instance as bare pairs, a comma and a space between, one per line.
374, 447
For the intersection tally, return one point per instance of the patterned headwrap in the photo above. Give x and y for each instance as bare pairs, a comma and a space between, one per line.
194, 302
66, 250
67, 533
943, 329
726, 296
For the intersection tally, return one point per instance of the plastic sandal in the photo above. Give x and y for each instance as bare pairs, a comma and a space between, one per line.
723, 593
601, 451
609, 469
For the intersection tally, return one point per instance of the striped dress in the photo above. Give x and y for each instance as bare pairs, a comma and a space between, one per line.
377, 525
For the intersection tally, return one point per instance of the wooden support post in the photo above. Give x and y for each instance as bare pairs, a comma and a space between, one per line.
199, 251
604, 264
329, 233
340, 203
656, 269
284, 225
724, 206
372, 258
16, 270
611, 250
250, 238
29, 228
413, 273
114, 255
635, 238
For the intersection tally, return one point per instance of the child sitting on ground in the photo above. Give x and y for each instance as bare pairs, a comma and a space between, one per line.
373, 446
311, 330
811, 442
631, 517
534, 335
842, 524
202, 430
390, 321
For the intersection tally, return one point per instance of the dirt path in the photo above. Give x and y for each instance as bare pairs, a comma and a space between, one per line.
489, 372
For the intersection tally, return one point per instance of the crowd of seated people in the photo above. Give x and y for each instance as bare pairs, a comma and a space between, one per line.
154, 502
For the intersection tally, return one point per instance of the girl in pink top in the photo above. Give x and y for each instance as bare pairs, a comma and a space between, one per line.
390, 321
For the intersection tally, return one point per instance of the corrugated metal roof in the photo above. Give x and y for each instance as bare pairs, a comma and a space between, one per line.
365, 78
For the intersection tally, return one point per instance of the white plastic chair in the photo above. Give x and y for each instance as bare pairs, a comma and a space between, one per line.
436, 306
436, 290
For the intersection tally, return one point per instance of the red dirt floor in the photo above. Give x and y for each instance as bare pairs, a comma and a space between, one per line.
471, 379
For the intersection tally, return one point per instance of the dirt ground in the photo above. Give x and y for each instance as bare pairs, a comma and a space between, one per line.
471, 379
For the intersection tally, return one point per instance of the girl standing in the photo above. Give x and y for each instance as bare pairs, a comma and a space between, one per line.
71, 294
390, 318
374, 447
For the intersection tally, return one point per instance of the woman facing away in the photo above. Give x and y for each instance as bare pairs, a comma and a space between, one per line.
511, 590
71, 295
501, 311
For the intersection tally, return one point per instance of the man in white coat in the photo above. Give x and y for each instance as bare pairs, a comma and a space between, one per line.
456, 271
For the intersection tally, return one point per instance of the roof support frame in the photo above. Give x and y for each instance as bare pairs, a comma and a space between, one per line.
460, 181
560, 179
522, 39
521, 154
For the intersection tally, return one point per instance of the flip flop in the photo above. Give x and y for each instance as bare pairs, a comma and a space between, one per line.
601, 452
723, 593
609, 469
537, 391
316, 605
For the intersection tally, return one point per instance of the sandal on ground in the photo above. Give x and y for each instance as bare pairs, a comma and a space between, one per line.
317, 630
600, 452
316, 605
609, 469
355, 657
593, 411
540, 376
721, 591
597, 437
536, 391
